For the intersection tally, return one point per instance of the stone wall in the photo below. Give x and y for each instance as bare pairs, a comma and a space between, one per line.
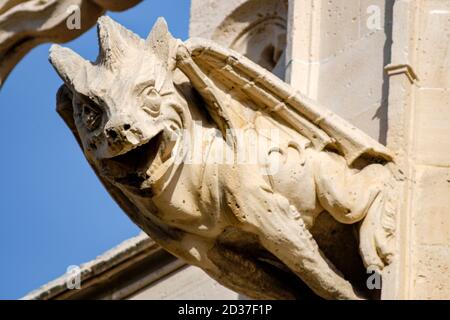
419, 132
336, 53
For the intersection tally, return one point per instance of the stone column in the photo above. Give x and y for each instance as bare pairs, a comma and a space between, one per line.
419, 133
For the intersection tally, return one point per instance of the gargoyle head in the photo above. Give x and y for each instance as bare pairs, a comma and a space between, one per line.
124, 107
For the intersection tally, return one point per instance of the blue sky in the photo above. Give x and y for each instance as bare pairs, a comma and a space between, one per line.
54, 213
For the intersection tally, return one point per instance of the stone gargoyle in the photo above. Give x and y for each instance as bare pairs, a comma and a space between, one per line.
136, 111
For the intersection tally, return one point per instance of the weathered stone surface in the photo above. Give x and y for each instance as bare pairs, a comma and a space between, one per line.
208, 214
419, 132
271, 160
336, 52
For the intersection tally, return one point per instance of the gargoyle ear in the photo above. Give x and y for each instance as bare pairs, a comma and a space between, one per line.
64, 108
114, 41
69, 65
161, 42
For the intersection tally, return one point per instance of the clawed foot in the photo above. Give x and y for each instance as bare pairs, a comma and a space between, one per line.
375, 237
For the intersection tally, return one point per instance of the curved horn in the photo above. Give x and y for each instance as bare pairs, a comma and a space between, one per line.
68, 64
114, 41
161, 42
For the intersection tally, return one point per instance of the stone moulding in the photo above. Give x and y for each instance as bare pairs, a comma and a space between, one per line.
249, 225
110, 275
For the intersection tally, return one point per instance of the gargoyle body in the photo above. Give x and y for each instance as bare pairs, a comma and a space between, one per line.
169, 128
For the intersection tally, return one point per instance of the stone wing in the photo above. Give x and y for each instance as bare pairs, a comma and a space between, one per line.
221, 74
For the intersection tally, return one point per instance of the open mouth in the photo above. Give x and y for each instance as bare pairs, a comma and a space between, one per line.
130, 169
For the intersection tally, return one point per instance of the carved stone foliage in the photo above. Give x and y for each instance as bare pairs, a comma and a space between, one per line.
225, 165
24, 24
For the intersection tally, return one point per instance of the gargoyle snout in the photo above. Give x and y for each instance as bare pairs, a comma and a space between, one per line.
119, 134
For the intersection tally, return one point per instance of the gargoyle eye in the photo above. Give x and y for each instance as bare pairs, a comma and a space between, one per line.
152, 102
91, 116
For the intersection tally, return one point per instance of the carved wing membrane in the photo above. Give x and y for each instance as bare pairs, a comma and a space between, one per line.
225, 70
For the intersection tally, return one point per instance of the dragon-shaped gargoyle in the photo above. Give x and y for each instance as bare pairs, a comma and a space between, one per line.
145, 108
